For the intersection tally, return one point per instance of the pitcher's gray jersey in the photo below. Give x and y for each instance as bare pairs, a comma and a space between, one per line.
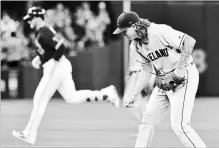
163, 49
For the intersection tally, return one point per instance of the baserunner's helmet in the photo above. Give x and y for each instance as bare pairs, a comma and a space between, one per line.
34, 12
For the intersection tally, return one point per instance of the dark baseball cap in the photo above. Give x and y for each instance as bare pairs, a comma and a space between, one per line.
125, 20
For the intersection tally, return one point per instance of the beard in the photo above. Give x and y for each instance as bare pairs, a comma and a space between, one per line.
143, 37
129, 37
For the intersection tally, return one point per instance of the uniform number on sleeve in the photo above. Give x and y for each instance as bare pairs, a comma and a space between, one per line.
56, 39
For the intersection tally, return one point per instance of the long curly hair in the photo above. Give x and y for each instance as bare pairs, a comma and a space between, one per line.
142, 30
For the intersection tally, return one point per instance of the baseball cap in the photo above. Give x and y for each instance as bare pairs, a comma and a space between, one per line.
125, 20
34, 12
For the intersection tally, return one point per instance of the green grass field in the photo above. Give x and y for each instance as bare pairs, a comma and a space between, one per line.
99, 125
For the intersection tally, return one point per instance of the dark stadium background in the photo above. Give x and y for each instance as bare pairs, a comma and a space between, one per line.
95, 67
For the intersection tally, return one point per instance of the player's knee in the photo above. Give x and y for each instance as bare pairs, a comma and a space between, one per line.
181, 127
178, 127
186, 128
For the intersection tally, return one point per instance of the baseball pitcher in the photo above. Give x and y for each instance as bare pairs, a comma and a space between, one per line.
168, 51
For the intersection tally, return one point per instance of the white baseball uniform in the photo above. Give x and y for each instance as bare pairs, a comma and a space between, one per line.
57, 75
163, 52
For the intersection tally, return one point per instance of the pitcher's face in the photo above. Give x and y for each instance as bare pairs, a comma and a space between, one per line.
130, 33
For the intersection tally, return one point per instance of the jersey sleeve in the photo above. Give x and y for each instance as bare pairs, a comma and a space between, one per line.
172, 36
136, 61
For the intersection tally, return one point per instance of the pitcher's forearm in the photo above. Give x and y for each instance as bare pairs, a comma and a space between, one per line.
136, 83
186, 51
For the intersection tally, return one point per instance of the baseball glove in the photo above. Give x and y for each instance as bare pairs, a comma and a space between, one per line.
168, 81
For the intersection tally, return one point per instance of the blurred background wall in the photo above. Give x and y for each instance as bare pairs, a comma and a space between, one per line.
97, 55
